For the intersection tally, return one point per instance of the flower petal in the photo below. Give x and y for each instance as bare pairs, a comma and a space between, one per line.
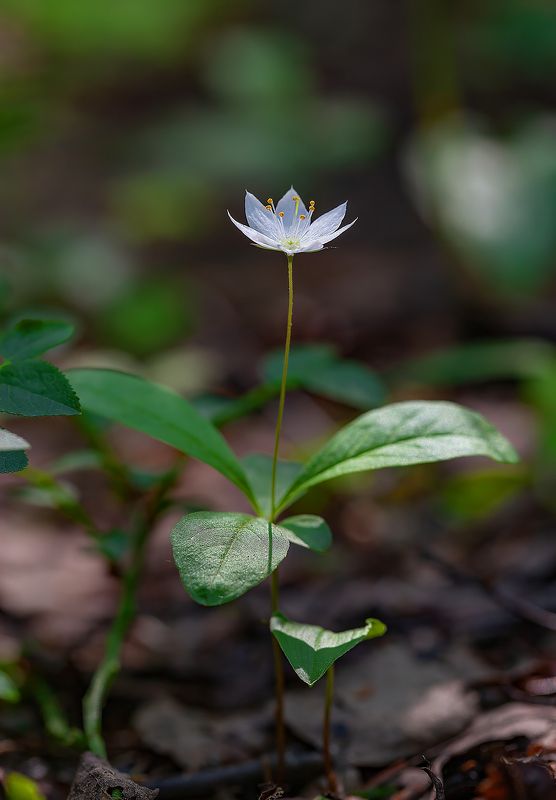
325, 239
287, 205
310, 247
255, 236
327, 223
259, 217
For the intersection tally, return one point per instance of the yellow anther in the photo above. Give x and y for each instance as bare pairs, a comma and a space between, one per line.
269, 208
269, 200
281, 214
302, 216
311, 202
295, 199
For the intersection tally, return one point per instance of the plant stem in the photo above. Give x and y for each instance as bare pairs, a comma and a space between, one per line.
274, 580
329, 700
109, 667
283, 386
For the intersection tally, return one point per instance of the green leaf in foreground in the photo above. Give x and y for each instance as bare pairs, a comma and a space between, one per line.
32, 337
36, 389
220, 556
12, 452
400, 435
308, 530
311, 650
160, 413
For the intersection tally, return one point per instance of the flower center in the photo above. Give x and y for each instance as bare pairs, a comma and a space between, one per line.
290, 243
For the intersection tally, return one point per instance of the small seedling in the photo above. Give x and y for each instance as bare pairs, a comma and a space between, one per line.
312, 651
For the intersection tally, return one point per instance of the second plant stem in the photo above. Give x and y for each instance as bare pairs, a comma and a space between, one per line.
328, 763
274, 580
94, 699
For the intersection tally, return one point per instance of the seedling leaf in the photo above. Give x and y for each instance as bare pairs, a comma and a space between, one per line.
311, 650
36, 389
12, 455
220, 556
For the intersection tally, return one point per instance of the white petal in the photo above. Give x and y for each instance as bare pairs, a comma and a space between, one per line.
327, 223
287, 205
258, 216
255, 236
325, 239
310, 247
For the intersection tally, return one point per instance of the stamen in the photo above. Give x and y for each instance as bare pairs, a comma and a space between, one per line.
281, 214
302, 216
269, 208
297, 201
270, 201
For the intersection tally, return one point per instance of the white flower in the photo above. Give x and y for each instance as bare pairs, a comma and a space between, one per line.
289, 226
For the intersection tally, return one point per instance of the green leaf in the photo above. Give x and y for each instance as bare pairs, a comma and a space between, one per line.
400, 435
258, 468
479, 361
311, 650
220, 556
346, 382
32, 337
36, 389
9, 692
303, 358
12, 455
160, 413
19, 787
317, 369
308, 530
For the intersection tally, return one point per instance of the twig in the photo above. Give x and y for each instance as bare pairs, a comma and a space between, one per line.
519, 607
299, 769
437, 784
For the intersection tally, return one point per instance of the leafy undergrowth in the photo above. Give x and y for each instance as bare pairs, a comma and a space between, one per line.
464, 675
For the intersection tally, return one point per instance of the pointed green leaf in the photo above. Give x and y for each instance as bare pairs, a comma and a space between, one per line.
308, 530
32, 337
12, 455
311, 650
317, 369
220, 556
36, 389
160, 413
400, 435
487, 360
258, 468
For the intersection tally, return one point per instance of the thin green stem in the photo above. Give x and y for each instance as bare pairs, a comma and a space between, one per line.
328, 703
95, 697
274, 581
283, 387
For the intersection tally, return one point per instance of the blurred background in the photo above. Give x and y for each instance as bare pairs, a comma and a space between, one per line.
128, 129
